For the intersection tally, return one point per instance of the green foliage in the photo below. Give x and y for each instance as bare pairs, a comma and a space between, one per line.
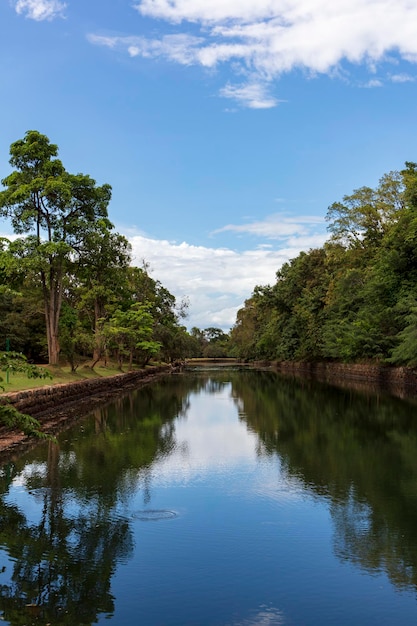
211, 342
363, 217
353, 299
22, 327
131, 331
12, 418
17, 362
9, 415
405, 352
74, 340
101, 271
55, 210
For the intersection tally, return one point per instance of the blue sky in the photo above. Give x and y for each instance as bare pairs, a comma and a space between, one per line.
225, 127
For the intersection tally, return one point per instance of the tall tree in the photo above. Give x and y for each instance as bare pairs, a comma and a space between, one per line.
101, 272
54, 209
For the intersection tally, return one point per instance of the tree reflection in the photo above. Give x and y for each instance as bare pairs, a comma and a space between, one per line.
370, 542
62, 561
357, 450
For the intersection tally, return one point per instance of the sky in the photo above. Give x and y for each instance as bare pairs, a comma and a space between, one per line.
226, 128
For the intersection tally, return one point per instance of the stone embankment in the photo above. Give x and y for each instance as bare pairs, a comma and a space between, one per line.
398, 381
58, 406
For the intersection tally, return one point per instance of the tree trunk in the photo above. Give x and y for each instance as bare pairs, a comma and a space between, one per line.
98, 314
96, 355
120, 359
52, 301
52, 337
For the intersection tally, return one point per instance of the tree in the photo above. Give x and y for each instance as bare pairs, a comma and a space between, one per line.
131, 331
74, 340
244, 333
54, 209
409, 177
352, 299
217, 343
165, 312
103, 259
22, 321
364, 216
405, 352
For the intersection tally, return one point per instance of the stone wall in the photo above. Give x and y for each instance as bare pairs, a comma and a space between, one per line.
56, 407
398, 381
42, 400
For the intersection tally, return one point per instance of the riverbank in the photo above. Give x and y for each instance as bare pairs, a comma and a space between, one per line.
400, 382
57, 406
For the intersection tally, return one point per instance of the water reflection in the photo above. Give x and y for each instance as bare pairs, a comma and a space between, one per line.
357, 450
210, 439
232, 451
266, 616
61, 560
65, 536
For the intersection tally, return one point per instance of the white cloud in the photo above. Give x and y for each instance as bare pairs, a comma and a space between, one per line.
374, 82
40, 10
263, 39
402, 78
133, 51
252, 95
208, 12
218, 280
181, 48
277, 226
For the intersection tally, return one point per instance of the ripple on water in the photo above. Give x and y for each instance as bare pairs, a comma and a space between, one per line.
154, 515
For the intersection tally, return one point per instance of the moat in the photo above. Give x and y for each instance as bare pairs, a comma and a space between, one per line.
219, 497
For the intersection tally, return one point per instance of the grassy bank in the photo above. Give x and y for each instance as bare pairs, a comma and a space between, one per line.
17, 381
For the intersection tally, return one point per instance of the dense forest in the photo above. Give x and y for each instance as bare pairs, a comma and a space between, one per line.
354, 299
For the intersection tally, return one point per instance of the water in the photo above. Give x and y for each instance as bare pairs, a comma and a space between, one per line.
219, 498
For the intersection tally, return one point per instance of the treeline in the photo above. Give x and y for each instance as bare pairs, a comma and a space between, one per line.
68, 290
353, 299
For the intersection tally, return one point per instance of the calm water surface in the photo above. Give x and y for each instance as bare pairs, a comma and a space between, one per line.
217, 498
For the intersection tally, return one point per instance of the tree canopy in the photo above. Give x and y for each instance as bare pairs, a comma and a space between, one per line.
354, 298
55, 210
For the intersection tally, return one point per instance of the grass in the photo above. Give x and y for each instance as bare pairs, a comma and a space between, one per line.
60, 374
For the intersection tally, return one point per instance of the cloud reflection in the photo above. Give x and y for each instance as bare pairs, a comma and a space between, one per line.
209, 440
267, 616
